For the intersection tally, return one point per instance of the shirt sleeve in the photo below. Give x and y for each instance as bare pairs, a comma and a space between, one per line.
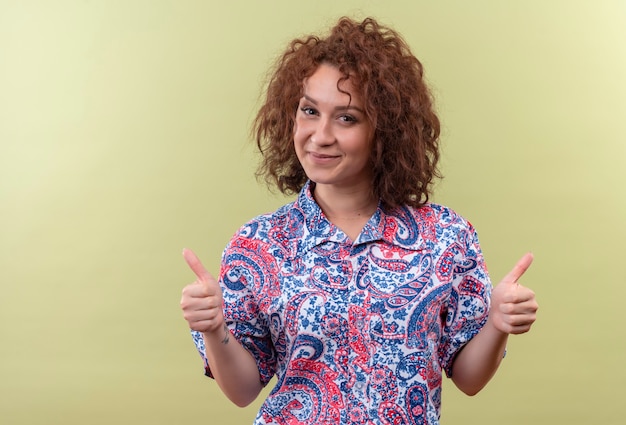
243, 275
469, 301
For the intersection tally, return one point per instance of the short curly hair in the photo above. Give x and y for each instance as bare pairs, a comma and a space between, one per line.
398, 103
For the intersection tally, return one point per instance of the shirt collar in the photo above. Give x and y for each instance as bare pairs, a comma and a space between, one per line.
389, 226
317, 228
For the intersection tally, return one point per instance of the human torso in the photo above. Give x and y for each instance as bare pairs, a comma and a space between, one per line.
361, 330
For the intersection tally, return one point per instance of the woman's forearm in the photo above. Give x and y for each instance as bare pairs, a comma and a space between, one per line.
479, 360
513, 311
232, 366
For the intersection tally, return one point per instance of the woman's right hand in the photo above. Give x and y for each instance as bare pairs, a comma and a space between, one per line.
232, 366
201, 301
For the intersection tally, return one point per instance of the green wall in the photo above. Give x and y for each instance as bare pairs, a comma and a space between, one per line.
124, 138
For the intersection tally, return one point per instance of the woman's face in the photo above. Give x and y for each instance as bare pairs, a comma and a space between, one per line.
332, 137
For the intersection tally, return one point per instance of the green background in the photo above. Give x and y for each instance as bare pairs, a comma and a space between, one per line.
124, 137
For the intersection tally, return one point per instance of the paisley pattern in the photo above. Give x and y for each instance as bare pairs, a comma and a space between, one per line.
354, 332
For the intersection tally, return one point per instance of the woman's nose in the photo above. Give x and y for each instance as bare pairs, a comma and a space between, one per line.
323, 133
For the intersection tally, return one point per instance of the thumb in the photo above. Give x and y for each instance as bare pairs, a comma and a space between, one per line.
196, 265
520, 268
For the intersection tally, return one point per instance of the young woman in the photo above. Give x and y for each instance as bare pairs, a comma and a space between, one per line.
358, 295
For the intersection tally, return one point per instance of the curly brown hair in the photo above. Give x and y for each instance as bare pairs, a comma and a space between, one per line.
398, 103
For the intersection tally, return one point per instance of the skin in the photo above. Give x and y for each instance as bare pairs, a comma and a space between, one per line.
232, 365
332, 139
513, 311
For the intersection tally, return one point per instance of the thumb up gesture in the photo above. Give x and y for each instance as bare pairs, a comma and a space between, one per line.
202, 300
513, 306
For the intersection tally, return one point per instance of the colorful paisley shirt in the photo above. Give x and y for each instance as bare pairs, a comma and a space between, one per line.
355, 332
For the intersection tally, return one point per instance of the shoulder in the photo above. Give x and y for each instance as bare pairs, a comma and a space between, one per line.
256, 250
431, 224
430, 214
272, 227
445, 216
280, 231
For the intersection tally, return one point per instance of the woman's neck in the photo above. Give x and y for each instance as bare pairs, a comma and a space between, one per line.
347, 209
349, 203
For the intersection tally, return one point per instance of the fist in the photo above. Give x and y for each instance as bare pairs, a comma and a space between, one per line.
513, 306
201, 301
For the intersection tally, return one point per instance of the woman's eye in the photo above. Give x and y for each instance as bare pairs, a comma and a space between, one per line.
347, 118
307, 111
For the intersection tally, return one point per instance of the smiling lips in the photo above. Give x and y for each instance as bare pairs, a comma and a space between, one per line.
322, 157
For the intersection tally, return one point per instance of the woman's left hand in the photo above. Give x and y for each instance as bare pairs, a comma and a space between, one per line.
513, 306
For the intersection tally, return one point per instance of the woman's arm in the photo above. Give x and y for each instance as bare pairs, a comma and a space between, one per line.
232, 366
513, 311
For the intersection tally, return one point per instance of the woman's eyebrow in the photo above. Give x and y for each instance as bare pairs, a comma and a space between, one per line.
337, 108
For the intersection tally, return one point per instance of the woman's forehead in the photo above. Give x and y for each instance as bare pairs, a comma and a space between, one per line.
330, 78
